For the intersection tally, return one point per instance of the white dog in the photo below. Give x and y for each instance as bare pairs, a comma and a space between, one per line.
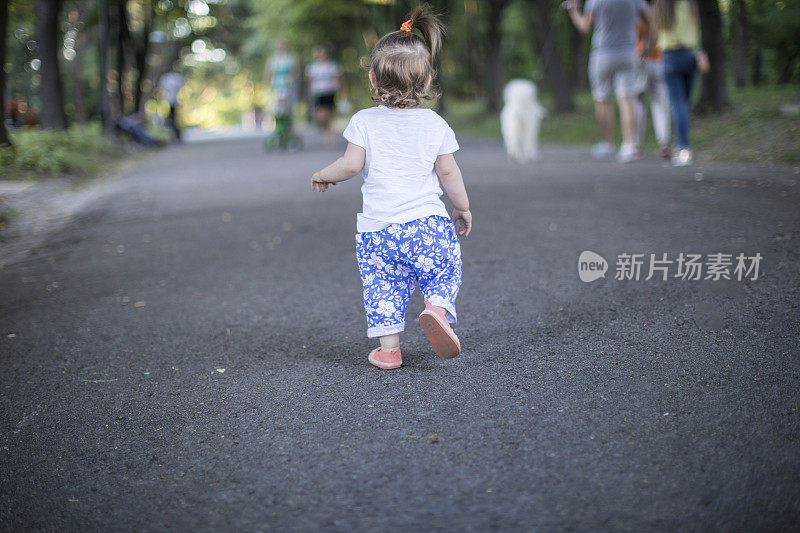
520, 120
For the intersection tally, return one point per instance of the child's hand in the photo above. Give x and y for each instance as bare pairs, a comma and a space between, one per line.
463, 221
317, 184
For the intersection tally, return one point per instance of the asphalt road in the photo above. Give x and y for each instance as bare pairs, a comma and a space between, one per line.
189, 353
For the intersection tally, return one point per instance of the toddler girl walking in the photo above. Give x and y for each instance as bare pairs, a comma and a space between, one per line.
404, 152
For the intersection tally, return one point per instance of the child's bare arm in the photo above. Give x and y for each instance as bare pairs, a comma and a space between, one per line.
453, 184
342, 169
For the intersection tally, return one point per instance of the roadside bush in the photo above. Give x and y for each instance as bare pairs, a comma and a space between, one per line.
79, 150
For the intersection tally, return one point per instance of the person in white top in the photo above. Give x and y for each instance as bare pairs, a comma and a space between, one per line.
324, 79
405, 155
171, 84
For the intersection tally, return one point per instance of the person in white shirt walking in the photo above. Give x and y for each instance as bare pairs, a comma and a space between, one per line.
324, 80
171, 84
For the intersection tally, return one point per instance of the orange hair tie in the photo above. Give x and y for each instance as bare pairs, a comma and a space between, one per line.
406, 26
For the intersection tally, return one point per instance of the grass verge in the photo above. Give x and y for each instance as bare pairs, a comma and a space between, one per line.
82, 150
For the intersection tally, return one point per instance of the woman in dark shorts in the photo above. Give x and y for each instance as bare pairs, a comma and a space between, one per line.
324, 78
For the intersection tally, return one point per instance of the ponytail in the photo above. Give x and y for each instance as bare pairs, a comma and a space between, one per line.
430, 26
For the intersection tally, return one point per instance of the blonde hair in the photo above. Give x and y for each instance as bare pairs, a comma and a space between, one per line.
401, 67
664, 13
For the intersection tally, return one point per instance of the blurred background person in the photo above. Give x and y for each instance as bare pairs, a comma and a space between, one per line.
612, 67
651, 81
19, 113
679, 37
29, 116
171, 84
132, 125
324, 80
258, 117
283, 71
12, 115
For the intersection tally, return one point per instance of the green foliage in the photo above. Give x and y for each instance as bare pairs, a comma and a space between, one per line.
79, 150
20, 78
335, 23
775, 26
520, 54
212, 99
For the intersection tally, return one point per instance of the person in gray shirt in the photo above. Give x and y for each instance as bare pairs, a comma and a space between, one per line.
613, 66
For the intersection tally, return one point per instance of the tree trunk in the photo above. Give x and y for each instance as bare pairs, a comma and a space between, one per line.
123, 41
52, 116
443, 7
140, 60
546, 36
78, 86
756, 70
104, 24
4, 140
784, 69
740, 31
472, 64
579, 65
714, 95
495, 66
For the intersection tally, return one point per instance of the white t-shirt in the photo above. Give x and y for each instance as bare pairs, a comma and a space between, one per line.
171, 83
400, 184
323, 78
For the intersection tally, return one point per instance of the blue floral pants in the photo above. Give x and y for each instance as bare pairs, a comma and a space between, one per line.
392, 261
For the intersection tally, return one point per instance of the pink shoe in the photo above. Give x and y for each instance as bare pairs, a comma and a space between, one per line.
387, 360
442, 337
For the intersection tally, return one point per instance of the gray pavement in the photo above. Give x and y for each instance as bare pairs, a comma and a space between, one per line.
189, 353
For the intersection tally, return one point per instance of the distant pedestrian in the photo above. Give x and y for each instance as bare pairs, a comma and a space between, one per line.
12, 114
324, 79
405, 153
282, 73
283, 68
19, 113
134, 126
612, 67
679, 37
29, 116
171, 84
650, 82
258, 117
